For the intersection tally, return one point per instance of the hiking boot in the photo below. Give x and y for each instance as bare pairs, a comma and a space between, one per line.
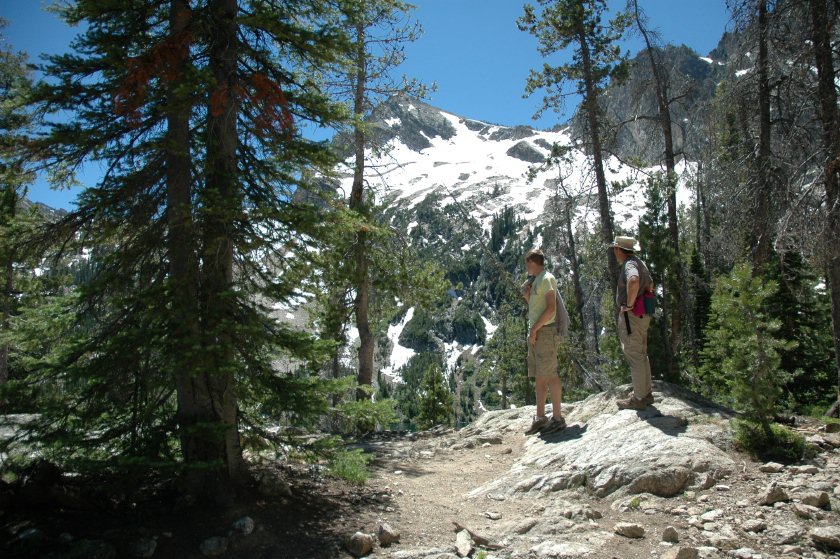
632, 403
537, 425
648, 400
553, 425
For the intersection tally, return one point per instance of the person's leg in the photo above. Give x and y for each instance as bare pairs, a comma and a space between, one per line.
542, 392
555, 387
644, 324
636, 355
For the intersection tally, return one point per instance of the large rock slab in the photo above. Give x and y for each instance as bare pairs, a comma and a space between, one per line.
659, 451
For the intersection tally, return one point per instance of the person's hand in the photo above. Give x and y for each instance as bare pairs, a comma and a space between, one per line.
532, 337
624, 308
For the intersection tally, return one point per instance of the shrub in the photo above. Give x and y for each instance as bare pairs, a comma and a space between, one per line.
350, 465
781, 445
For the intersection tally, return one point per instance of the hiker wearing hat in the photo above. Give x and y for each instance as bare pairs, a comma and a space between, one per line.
540, 291
634, 285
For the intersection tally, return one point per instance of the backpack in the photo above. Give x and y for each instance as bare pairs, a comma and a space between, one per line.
561, 315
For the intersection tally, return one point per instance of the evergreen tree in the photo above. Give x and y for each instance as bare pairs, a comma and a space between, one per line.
659, 255
435, 405
14, 124
505, 357
596, 59
195, 113
741, 360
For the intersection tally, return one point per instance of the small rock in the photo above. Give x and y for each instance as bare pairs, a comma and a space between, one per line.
272, 486
809, 469
244, 525
832, 427
793, 550
629, 530
742, 553
143, 548
786, 534
464, 543
496, 497
706, 481
525, 526
563, 550
755, 526
771, 468
712, 515
722, 488
806, 511
722, 541
387, 535
828, 536
507, 450
681, 553
493, 515
213, 547
819, 500
773, 494
359, 544
670, 535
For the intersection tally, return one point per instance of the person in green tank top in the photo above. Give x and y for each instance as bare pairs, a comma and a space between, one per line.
540, 292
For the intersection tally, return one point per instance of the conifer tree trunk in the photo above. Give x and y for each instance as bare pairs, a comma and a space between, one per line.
821, 33
215, 399
590, 104
665, 124
573, 260
192, 393
763, 191
357, 203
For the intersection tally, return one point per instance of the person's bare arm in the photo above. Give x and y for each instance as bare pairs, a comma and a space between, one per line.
632, 291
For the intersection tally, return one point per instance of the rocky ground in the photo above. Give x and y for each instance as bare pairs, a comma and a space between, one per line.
660, 483
664, 482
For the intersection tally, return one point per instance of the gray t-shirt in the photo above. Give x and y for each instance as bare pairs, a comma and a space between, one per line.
633, 268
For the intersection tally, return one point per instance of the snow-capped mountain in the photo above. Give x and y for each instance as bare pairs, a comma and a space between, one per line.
482, 168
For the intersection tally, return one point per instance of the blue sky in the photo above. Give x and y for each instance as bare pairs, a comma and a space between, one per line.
472, 49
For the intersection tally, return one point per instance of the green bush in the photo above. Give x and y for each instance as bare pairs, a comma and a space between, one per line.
781, 445
350, 465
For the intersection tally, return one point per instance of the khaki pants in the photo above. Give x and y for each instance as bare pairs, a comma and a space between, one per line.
542, 357
634, 347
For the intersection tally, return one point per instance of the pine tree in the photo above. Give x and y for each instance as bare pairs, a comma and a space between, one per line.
579, 25
435, 405
741, 360
660, 257
14, 124
195, 113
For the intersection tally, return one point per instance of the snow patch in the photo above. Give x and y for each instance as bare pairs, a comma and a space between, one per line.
399, 355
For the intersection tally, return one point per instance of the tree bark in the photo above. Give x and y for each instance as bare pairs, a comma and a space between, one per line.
821, 33
590, 104
192, 392
221, 205
763, 190
572, 254
357, 203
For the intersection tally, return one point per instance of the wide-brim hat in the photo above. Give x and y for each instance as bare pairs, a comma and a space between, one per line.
626, 243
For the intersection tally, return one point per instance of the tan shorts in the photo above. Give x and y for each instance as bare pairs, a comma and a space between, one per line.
542, 357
